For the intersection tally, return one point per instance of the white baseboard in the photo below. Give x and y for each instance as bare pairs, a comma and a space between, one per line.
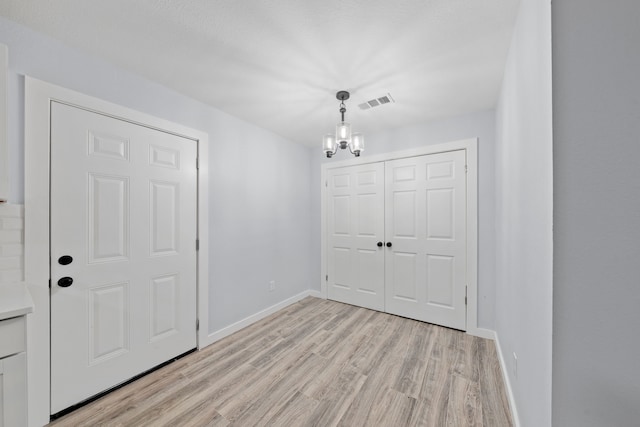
241, 324
482, 333
507, 383
315, 294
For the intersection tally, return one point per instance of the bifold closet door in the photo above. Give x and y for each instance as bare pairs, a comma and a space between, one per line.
355, 227
425, 223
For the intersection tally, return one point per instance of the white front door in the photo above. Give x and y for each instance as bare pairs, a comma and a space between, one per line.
355, 227
426, 226
123, 209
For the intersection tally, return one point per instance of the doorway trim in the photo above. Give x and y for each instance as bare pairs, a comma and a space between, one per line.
470, 146
38, 98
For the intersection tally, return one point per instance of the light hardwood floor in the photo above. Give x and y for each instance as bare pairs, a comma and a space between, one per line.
318, 363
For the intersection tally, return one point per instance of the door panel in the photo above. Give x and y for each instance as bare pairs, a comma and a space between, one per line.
404, 275
426, 224
355, 225
108, 204
108, 321
440, 217
404, 214
123, 205
440, 280
164, 306
163, 217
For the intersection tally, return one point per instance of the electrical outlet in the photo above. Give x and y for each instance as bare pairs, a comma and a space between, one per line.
515, 365
272, 286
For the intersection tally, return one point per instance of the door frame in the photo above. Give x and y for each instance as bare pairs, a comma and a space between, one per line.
470, 146
38, 98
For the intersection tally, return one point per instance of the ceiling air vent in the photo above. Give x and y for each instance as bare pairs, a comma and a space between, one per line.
376, 102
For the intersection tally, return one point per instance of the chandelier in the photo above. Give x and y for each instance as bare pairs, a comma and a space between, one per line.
343, 136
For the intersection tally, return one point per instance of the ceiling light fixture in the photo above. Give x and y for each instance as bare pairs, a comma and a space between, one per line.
343, 137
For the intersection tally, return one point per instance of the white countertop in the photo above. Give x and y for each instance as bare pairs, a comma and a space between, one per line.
15, 300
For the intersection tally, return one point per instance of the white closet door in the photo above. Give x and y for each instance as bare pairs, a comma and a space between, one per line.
355, 226
426, 226
123, 208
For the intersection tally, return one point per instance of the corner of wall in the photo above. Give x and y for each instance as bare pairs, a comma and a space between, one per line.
523, 216
507, 382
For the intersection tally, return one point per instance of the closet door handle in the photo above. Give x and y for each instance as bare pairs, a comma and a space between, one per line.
388, 244
379, 244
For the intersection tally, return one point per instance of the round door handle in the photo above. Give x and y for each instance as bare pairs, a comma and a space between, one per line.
65, 260
388, 244
65, 282
379, 244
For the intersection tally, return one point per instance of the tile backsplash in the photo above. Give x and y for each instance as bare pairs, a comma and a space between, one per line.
11, 243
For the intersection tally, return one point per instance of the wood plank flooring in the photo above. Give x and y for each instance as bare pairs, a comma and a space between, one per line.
318, 363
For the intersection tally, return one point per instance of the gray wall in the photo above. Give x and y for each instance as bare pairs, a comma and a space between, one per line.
479, 125
524, 214
259, 198
596, 131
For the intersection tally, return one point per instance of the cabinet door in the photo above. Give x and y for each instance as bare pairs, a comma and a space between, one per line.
355, 226
13, 390
425, 222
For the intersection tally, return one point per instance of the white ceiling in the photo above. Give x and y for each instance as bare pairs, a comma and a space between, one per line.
279, 63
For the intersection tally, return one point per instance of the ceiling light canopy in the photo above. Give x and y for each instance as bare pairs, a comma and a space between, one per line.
343, 137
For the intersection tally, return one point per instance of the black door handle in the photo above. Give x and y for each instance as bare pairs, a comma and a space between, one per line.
65, 282
379, 244
65, 260
388, 244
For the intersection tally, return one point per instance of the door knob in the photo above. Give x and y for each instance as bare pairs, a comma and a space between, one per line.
388, 244
65, 282
379, 244
65, 260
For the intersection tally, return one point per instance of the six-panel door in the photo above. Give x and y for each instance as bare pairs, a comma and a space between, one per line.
123, 207
425, 221
355, 226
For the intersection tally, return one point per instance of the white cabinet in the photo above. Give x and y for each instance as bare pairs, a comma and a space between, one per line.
13, 372
13, 390
15, 304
